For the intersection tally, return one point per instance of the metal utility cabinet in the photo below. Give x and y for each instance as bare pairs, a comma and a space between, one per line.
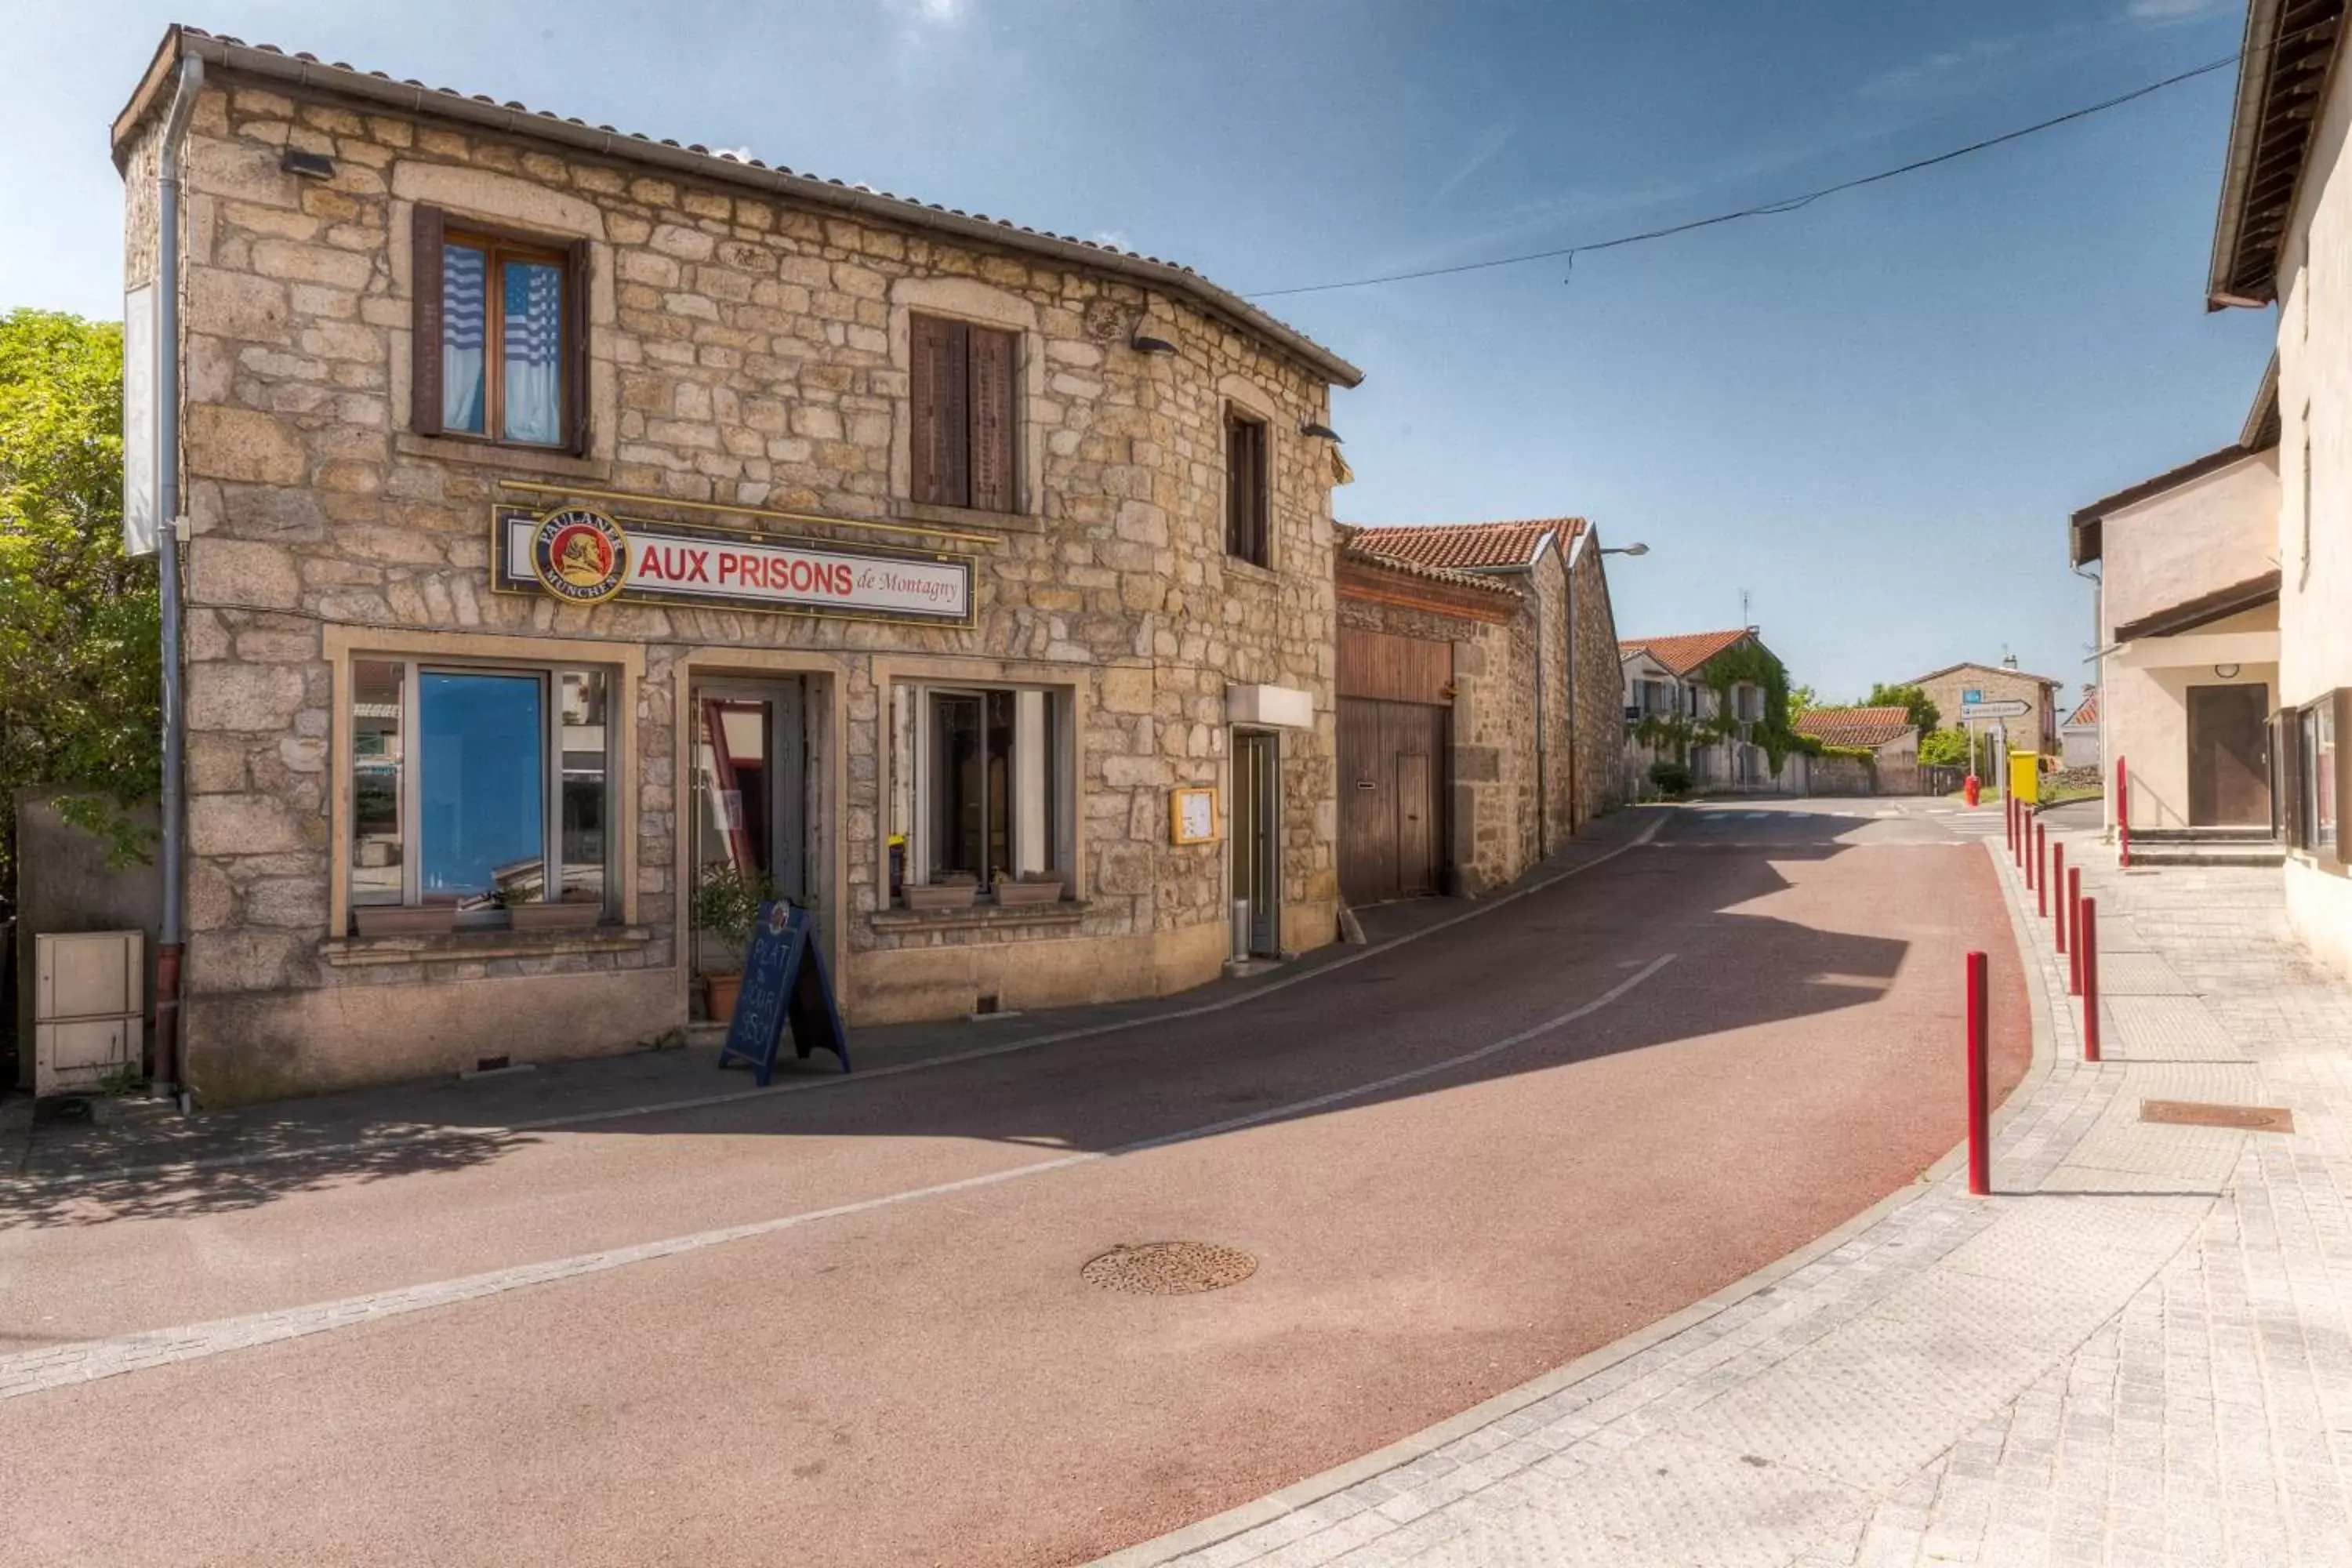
89, 1004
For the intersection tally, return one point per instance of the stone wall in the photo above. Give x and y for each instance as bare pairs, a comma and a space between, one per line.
1600, 716
745, 352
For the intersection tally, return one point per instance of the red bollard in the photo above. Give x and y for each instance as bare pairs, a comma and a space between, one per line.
1980, 1080
2009, 822
2087, 943
2039, 878
2073, 924
2123, 816
2058, 893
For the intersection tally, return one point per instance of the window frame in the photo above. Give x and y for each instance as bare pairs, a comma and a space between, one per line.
1258, 487
966, 486
433, 231
548, 674
914, 811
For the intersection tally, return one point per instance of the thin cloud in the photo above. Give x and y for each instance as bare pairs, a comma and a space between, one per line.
1946, 71
1492, 142
2160, 12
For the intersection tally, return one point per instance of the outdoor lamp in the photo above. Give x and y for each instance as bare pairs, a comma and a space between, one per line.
1144, 345
1311, 428
307, 165
1634, 548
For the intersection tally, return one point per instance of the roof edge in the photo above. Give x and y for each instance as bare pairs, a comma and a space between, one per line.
514, 120
2238, 160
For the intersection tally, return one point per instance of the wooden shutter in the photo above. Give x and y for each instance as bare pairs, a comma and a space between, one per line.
424, 322
992, 466
942, 397
1245, 489
2290, 772
575, 347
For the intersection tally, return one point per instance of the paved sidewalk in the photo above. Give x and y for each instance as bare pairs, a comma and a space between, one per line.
2139, 1353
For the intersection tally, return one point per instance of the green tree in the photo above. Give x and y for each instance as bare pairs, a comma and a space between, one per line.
1923, 712
80, 670
1802, 701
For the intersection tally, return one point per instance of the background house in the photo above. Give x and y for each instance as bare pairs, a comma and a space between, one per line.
1711, 701
1956, 685
1887, 733
2078, 737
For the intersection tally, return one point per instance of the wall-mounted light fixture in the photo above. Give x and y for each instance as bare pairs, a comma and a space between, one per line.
307, 165
1325, 431
1144, 345
2227, 672
1637, 548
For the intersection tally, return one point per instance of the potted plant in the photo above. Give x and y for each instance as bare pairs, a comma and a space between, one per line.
1029, 887
945, 890
726, 902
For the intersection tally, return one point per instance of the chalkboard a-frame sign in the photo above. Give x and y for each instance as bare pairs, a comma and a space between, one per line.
784, 984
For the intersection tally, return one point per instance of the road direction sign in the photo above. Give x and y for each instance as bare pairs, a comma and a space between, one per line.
2005, 708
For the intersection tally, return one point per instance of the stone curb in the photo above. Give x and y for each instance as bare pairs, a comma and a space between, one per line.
1302, 1494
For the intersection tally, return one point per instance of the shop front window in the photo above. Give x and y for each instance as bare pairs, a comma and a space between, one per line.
481, 786
983, 783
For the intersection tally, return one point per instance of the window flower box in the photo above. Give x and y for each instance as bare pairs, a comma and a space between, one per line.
1029, 887
941, 895
570, 915
405, 919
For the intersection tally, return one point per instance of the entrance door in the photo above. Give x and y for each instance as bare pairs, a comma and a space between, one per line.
1255, 829
2229, 756
1391, 794
748, 781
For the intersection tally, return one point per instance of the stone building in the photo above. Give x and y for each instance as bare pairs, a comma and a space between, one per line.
1485, 626
575, 521
1691, 699
1957, 686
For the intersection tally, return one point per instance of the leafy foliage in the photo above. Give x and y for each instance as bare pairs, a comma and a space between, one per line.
1671, 778
1949, 749
1752, 664
1909, 698
81, 659
1802, 700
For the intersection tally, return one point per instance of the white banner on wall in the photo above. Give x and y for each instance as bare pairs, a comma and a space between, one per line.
142, 503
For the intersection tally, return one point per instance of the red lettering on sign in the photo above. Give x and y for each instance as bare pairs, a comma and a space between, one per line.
730, 563
698, 563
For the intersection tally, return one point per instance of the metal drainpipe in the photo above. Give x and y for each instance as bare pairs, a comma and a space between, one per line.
168, 1071
1543, 778
1568, 665
2098, 674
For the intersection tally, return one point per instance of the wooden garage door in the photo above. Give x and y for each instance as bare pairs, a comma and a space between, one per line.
1391, 799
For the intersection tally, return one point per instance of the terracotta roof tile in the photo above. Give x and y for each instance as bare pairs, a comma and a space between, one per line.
1352, 548
2085, 715
1687, 652
1473, 545
1854, 726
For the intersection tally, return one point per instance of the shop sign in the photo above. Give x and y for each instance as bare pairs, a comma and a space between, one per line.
585, 557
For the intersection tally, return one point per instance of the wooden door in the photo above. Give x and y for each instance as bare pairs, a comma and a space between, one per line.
2229, 756
1391, 799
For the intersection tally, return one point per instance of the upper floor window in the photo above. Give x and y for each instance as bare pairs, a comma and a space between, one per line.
1246, 533
963, 422
500, 335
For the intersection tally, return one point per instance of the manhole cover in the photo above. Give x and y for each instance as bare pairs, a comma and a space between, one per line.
1170, 1267
2193, 1113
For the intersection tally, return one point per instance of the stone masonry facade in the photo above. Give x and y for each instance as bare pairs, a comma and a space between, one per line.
746, 350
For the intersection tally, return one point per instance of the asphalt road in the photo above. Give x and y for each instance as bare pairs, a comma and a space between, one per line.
1458, 1164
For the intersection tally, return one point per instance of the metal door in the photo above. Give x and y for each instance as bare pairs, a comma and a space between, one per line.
2229, 756
1254, 827
749, 782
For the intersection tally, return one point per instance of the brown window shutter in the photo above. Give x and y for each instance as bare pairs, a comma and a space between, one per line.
424, 319
941, 398
2340, 706
2290, 773
1245, 489
993, 466
575, 347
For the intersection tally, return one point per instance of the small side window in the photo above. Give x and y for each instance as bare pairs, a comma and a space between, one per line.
1247, 534
962, 397
500, 337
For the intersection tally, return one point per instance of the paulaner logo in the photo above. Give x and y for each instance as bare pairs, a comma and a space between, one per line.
580, 555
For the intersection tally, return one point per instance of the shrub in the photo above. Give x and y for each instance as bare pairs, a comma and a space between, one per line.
1671, 778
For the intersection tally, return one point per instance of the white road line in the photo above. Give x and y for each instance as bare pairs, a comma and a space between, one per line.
86, 1360
1757, 816
864, 1074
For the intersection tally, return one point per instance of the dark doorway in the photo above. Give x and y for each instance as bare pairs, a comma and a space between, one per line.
1256, 830
2229, 756
1392, 793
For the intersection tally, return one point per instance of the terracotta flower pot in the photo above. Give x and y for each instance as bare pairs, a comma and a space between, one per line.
401, 920
1012, 893
554, 917
718, 991
941, 895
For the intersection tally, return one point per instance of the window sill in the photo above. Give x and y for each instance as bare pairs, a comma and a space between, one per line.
467, 946
980, 917
491, 455
962, 517
1248, 571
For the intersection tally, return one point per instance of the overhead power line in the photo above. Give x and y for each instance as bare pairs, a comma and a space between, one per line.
1767, 209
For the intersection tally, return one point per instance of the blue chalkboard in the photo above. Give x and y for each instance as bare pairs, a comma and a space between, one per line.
784, 984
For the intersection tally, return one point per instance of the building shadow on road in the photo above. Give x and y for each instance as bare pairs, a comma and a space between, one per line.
1436, 1002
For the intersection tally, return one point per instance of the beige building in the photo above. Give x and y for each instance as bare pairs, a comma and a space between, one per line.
1690, 699
576, 522
2189, 638
1955, 686
2283, 232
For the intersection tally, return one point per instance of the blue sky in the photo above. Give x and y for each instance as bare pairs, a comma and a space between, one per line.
1873, 414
